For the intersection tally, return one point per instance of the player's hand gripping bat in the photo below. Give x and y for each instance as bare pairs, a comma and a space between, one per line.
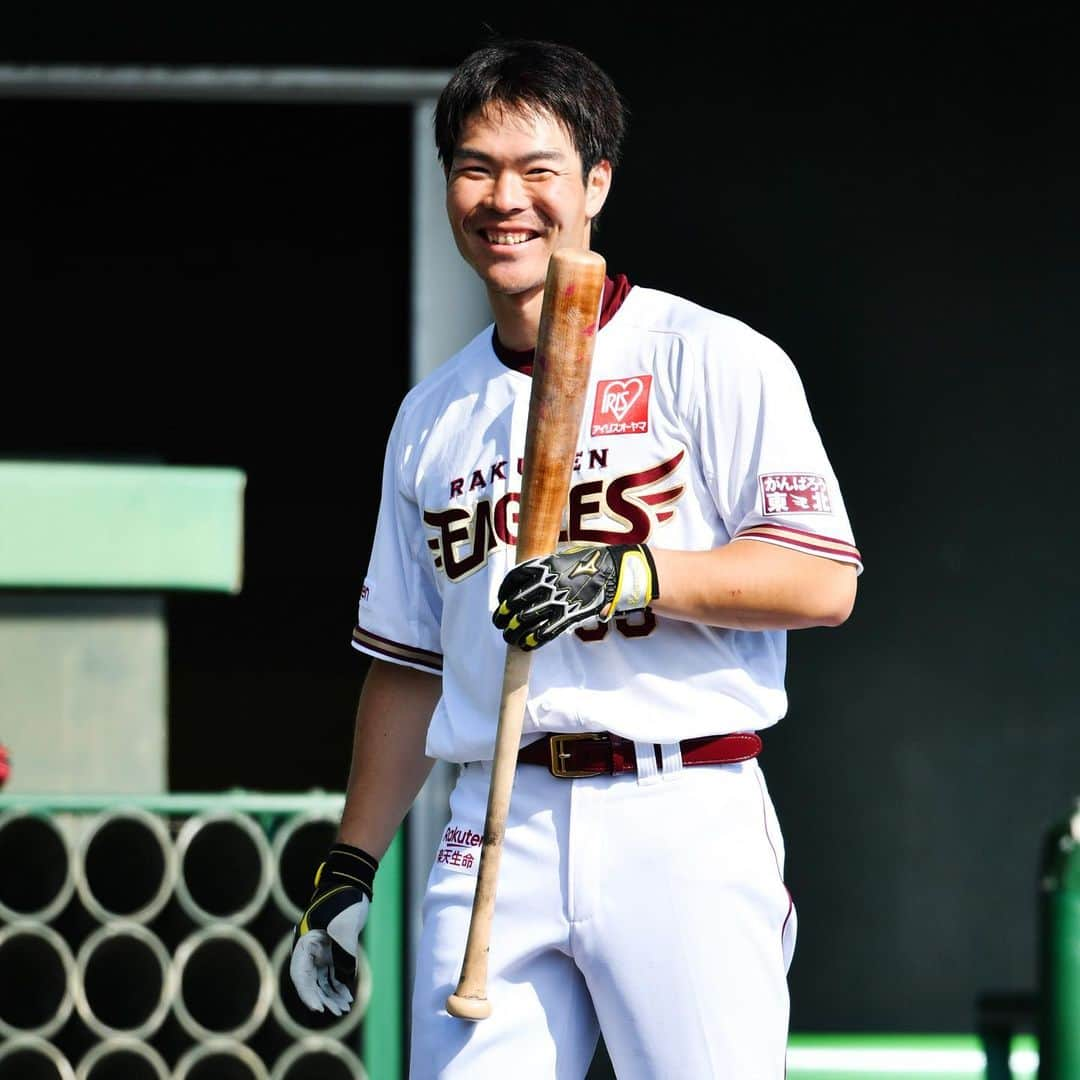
564, 349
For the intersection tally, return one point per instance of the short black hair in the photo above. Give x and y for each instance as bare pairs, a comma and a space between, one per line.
543, 76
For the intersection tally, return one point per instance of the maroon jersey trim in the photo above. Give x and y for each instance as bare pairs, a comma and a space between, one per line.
394, 650
615, 291
801, 540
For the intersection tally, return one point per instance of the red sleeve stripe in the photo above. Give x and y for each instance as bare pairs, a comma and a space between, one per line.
393, 650
801, 540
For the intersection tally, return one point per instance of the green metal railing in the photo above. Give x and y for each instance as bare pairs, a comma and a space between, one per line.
384, 943
902, 1057
1059, 950
381, 1034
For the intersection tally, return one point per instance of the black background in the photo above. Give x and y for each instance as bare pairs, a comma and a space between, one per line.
892, 200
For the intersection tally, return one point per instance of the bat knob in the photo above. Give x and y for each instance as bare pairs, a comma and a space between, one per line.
468, 1008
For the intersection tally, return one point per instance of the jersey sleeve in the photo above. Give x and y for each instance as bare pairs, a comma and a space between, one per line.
779, 486
398, 615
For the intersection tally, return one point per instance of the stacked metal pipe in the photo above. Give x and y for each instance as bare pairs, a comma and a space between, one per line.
137, 945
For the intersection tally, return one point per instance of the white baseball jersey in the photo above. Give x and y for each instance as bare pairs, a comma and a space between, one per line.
696, 433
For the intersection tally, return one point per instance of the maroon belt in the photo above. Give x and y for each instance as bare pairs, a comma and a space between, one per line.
590, 753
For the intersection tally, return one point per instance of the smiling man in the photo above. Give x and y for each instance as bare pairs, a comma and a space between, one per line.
517, 189
641, 885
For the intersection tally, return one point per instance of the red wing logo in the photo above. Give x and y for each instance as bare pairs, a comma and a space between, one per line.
622, 406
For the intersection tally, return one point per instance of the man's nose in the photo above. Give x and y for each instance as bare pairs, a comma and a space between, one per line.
507, 193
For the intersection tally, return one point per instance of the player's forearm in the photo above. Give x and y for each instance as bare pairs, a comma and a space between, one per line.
750, 585
389, 765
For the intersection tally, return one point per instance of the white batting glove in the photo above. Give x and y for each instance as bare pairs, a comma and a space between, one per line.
540, 598
327, 937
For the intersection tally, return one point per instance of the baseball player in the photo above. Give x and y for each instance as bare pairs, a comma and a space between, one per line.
641, 885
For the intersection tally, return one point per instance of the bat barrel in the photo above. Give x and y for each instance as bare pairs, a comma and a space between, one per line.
561, 368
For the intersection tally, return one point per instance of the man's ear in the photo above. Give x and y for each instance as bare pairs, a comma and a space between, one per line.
597, 186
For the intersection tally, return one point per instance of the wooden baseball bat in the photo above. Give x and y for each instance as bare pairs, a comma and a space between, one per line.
565, 341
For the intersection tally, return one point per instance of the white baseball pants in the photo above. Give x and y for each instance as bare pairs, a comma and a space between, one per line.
650, 905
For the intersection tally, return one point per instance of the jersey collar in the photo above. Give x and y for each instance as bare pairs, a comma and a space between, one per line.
615, 291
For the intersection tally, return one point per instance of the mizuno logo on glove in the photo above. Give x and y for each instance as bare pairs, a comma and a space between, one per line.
540, 598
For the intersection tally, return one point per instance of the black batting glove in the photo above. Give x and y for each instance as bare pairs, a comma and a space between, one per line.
540, 598
327, 937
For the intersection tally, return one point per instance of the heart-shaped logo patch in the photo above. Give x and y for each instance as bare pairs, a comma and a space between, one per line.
622, 406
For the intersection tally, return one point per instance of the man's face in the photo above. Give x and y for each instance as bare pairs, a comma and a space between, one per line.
515, 194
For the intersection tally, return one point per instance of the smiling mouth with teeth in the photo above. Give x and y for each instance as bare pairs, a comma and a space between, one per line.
508, 238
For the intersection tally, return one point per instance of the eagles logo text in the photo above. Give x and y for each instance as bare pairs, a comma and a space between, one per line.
465, 536
478, 479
